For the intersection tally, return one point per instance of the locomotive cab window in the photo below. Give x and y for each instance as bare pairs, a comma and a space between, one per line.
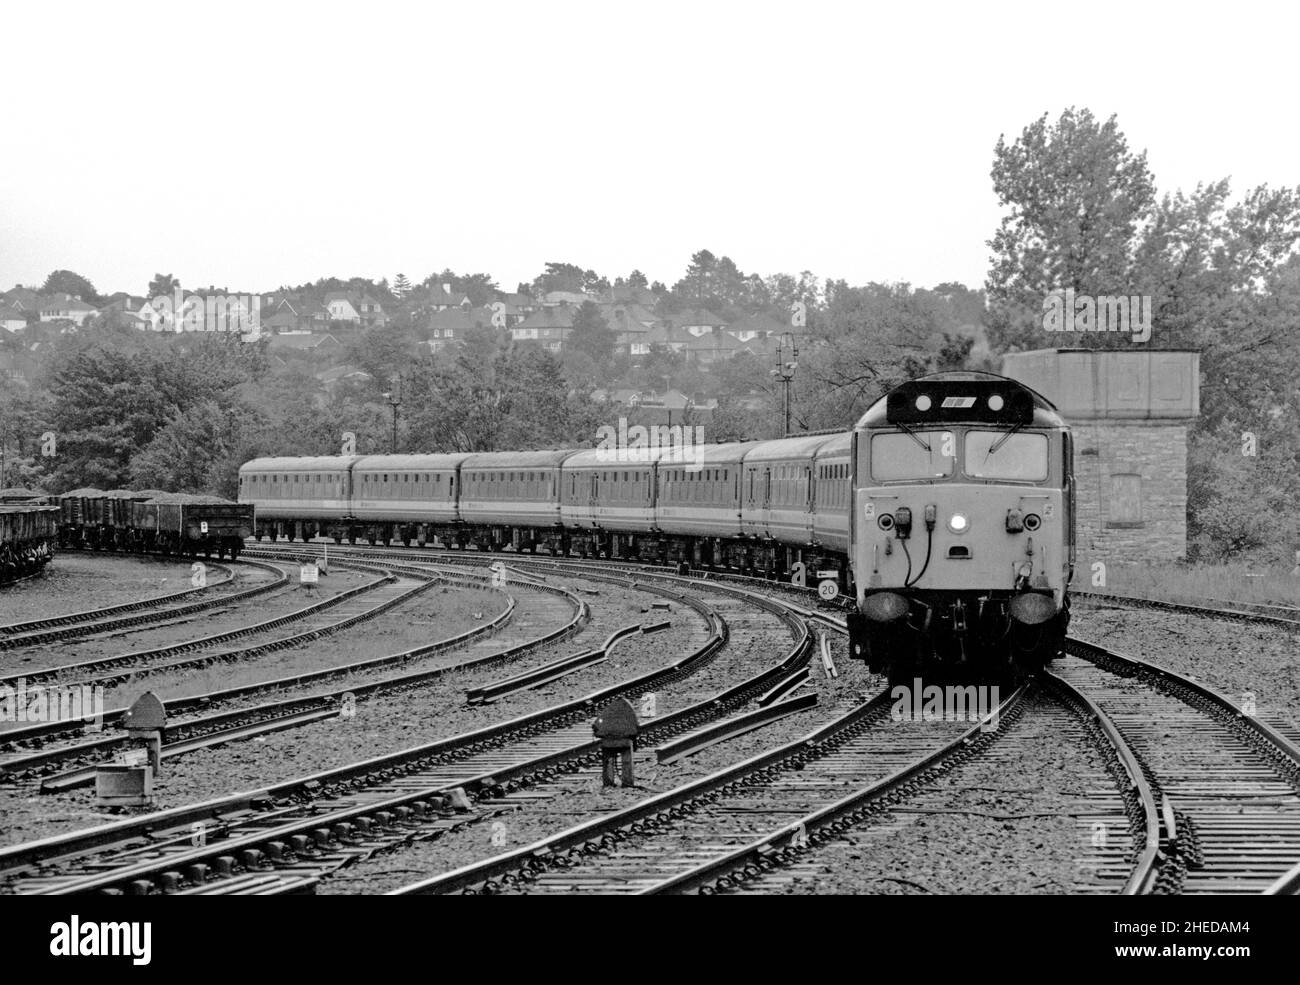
1006, 455
918, 455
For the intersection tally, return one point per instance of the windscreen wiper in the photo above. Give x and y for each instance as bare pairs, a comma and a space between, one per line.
1003, 440
914, 435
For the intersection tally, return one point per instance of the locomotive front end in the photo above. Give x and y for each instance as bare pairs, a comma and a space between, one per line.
962, 528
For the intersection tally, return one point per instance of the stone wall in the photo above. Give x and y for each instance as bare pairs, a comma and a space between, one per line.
1131, 481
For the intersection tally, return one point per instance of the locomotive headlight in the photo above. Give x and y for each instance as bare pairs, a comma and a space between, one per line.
923, 403
995, 402
958, 523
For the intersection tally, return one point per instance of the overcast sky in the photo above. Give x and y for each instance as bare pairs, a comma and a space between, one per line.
254, 145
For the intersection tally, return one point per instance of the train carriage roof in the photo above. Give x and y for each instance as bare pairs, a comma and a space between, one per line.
517, 459
839, 445
613, 458
726, 453
961, 398
411, 463
729, 453
784, 449
318, 463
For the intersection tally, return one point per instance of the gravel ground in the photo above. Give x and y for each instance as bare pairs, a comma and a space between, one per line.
74, 583
1237, 658
546, 808
1009, 813
222, 619
386, 724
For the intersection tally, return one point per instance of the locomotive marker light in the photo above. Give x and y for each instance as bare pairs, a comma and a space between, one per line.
903, 523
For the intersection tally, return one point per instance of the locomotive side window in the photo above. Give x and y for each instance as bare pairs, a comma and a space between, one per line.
1006, 455
909, 456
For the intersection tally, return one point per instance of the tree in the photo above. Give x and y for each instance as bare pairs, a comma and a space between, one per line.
1076, 197
697, 285
558, 277
401, 287
68, 282
591, 335
163, 285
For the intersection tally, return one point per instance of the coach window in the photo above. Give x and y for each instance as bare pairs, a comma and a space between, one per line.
1008, 455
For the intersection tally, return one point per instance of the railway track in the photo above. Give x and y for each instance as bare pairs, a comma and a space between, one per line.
1287, 617
759, 824
198, 722
324, 618
315, 823
1209, 801
1231, 781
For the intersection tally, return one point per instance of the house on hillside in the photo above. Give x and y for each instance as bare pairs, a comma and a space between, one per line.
12, 319
631, 324
549, 326
335, 375
630, 295
450, 325
667, 337
712, 347
698, 321
440, 297
758, 327
125, 309
66, 307
525, 303
22, 298
286, 313
309, 342
356, 309
649, 407
554, 299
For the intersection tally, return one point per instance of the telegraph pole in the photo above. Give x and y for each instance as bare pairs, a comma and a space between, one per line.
787, 361
394, 398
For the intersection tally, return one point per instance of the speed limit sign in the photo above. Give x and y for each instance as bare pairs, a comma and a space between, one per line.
828, 589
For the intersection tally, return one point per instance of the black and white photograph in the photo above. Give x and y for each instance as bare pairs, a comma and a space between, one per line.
595, 450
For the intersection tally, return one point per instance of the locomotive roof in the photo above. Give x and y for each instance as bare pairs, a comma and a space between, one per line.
958, 384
